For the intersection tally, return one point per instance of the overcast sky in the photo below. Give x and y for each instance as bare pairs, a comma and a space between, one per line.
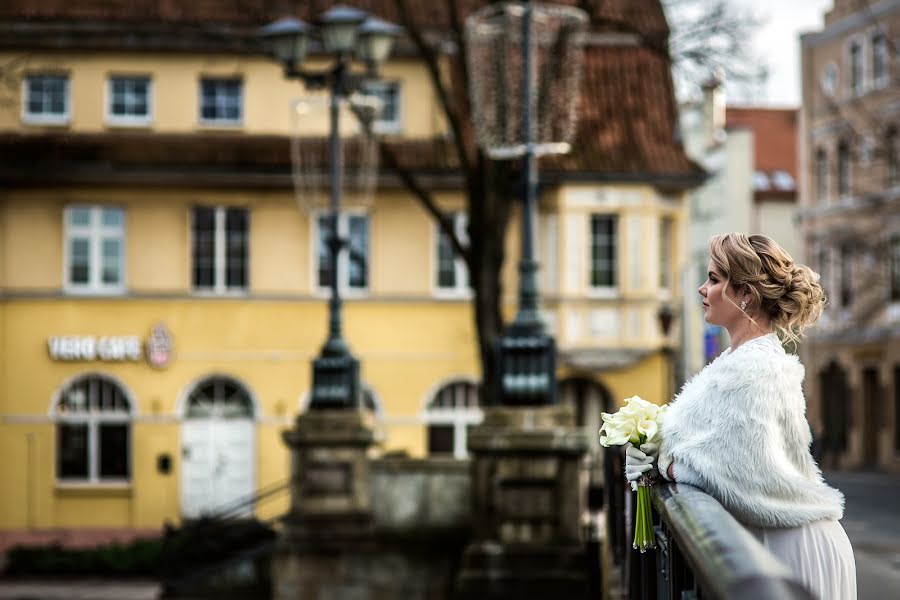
777, 42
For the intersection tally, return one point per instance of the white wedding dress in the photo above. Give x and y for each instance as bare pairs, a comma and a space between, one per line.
816, 550
818, 553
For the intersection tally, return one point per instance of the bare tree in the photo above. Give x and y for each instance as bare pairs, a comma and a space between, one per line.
710, 36
486, 183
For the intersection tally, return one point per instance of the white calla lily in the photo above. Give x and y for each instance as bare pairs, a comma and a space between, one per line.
636, 423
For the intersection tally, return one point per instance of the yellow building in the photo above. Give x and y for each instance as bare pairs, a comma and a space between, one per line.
162, 297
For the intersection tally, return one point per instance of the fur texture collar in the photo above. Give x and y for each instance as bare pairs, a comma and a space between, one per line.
738, 431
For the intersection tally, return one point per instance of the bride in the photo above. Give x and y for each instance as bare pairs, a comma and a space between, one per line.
738, 429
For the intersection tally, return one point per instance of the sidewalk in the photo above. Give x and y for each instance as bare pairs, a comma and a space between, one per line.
872, 523
80, 589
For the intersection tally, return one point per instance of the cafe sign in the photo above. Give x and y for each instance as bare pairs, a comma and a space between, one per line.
113, 348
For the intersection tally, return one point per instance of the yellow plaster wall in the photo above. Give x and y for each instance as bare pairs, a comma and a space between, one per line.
157, 241
281, 259
644, 379
401, 244
155, 496
407, 350
27, 473
4, 233
280, 246
33, 241
268, 96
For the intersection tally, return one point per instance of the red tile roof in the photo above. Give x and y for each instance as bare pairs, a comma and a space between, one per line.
774, 135
644, 16
627, 111
627, 116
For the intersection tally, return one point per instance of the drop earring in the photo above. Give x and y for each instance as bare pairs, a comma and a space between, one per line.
743, 305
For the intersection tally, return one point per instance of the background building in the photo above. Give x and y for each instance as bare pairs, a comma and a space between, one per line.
851, 225
163, 296
751, 155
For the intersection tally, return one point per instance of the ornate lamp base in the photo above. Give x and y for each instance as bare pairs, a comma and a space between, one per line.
335, 382
527, 360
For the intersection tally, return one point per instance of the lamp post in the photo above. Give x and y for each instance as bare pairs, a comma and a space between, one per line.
525, 62
346, 34
665, 316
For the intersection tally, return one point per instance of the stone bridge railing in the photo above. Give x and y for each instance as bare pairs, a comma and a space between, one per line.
703, 552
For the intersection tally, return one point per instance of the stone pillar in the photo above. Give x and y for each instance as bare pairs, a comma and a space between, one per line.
331, 506
528, 493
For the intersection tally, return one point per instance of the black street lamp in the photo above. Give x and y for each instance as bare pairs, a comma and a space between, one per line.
525, 63
346, 34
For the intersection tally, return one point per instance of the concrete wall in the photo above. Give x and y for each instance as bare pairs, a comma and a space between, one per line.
421, 523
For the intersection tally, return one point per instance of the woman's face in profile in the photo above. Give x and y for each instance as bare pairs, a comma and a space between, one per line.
716, 309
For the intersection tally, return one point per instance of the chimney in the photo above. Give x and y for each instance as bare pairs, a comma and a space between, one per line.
714, 109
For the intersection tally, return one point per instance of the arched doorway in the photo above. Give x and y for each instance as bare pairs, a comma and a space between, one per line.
872, 415
218, 447
834, 395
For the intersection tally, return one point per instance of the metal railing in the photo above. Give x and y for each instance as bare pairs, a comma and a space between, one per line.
702, 550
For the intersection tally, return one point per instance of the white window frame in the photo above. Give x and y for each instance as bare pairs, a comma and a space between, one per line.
95, 232
220, 122
343, 266
604, 291
458, 417
219, 287
128, 120
387, 126
93, 419
45, 118
461, 288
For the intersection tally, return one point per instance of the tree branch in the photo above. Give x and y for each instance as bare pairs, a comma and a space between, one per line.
430, 56
444, 221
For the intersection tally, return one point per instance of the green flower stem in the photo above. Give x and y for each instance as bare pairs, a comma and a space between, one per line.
644, 538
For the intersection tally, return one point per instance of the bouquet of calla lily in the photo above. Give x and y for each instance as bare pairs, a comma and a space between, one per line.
637, 424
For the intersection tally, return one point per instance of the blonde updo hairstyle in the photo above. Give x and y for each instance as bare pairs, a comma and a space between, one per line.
787, 293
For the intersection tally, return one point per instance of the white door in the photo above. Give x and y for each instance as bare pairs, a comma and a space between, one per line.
218, 445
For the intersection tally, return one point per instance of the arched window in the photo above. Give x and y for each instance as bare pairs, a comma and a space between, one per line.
93, 431
453, 409
219, 398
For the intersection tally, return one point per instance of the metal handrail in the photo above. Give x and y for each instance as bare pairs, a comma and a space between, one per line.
721, 557
236, 507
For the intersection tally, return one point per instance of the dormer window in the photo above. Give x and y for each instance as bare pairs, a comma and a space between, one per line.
46, 99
